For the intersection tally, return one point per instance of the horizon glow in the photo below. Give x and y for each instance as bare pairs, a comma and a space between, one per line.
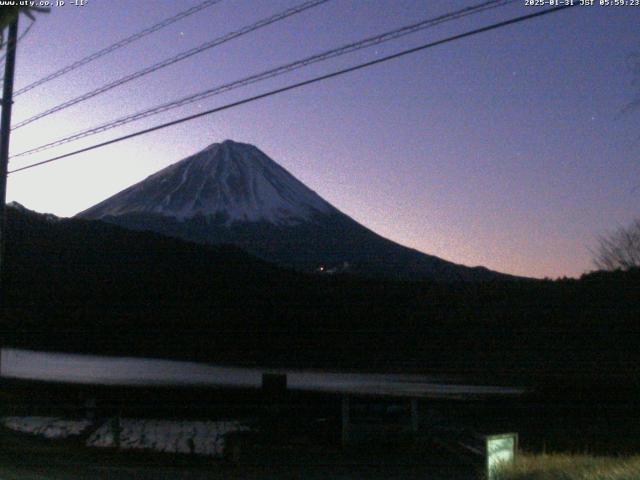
509, 149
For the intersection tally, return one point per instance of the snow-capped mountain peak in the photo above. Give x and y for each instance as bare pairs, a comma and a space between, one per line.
233, 193
231, 180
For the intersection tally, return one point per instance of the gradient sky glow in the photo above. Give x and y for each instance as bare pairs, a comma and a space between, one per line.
509, 149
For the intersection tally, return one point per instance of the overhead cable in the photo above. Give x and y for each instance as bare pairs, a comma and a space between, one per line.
274, 72
122, 43
320, 78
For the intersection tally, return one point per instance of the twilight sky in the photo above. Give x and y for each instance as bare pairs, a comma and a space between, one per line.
509, 149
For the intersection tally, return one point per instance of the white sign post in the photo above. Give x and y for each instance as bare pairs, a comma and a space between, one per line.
501, 450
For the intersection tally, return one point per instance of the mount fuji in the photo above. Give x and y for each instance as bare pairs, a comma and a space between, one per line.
235, 194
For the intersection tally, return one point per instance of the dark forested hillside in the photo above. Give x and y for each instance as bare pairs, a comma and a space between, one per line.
89, 286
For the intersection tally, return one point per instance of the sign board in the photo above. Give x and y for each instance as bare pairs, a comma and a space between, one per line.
501, 450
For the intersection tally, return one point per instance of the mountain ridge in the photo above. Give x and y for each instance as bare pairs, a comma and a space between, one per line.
233, 193
229, 177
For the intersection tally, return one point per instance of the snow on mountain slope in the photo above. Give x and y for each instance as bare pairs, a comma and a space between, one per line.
232, 193
231, 179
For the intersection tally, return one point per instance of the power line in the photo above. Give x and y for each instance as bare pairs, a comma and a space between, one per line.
282, 69
177, 58
301, 84
122, 43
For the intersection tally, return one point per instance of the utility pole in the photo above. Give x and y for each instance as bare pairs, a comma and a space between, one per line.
5, 132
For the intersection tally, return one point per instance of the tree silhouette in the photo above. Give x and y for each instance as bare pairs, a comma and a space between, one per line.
619, 249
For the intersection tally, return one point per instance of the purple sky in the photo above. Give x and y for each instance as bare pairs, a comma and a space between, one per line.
508, 149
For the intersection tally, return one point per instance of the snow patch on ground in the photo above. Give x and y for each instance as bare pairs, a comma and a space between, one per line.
48, 427
195, 437
192, 437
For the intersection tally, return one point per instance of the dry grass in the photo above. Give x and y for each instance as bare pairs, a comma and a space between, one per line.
572, 467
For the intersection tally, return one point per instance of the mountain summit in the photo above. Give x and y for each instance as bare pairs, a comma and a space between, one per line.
231, 180
233, 193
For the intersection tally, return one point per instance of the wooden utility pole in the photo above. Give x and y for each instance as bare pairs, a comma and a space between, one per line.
5, 133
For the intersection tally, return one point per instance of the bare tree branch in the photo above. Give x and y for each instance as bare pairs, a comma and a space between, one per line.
620, 249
